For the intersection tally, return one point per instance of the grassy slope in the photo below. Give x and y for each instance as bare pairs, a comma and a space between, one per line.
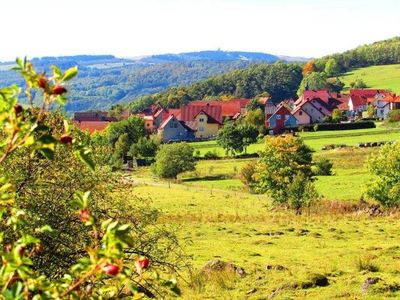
387, 77
222, 221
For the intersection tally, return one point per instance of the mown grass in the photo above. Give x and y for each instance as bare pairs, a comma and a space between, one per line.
382, 77
282, 252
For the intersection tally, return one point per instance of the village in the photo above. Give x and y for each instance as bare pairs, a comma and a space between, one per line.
201, 120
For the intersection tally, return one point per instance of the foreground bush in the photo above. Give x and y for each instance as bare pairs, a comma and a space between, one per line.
57, 242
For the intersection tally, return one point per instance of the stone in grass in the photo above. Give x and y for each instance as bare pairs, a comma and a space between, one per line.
275, 267
318, 280
217, 265
369, 281
251, 291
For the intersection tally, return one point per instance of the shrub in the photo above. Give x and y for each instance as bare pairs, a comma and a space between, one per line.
323, 167
144, 148
286, 159
301, 192
247, 172
173, 159
336, 126
394, 116
367, 264
211, 155
386, 166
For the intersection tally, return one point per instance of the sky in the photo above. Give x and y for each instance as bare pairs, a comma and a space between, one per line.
130, 28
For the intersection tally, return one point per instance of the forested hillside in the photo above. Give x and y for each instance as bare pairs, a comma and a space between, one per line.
279, 80
379, 53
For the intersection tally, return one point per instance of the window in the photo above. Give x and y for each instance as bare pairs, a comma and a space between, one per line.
171, 125
148, 125
175, 125
278, 117
300, 113
201, 120
201, 128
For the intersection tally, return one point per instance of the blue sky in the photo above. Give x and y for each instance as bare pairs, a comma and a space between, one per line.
129, 28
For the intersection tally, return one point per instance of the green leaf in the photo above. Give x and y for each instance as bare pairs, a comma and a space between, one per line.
46, 152
85, 157
62, 100
70, 73
45, 228
56, 72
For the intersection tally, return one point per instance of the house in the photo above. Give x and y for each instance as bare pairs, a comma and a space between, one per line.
384, 103
315, 113
320, 103
281, 119
357, 104
205, 119
92, 121
302, 117
174, 130
230, 110
270, 109
204, 125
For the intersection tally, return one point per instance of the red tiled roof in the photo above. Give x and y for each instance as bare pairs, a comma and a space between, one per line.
92, 126
365, 92
229, 108
321, 94
189, 112
358, 100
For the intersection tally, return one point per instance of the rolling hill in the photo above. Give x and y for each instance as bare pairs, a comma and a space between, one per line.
387, 77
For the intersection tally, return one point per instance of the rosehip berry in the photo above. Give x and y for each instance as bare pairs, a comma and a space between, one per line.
84, 215
18, 109
59, 90
42, 82
66, 139
141, 263
111, 270
20, 250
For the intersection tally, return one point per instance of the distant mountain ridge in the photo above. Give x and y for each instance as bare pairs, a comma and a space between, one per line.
105, 80
217, 55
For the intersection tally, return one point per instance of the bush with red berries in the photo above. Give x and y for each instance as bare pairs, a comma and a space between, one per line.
109, 263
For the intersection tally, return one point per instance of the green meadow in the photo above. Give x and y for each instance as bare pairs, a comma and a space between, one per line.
382, 77
282, 253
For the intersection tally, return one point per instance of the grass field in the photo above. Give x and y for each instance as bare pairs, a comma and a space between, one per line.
281, 252
383, 77
316, 140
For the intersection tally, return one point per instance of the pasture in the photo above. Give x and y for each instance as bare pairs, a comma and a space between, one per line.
282, 254
383, 77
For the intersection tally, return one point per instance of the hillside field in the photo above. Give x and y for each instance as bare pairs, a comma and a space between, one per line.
281, 252
382, 77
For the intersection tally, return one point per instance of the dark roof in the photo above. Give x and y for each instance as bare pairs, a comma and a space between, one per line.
210, 119
93, 116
